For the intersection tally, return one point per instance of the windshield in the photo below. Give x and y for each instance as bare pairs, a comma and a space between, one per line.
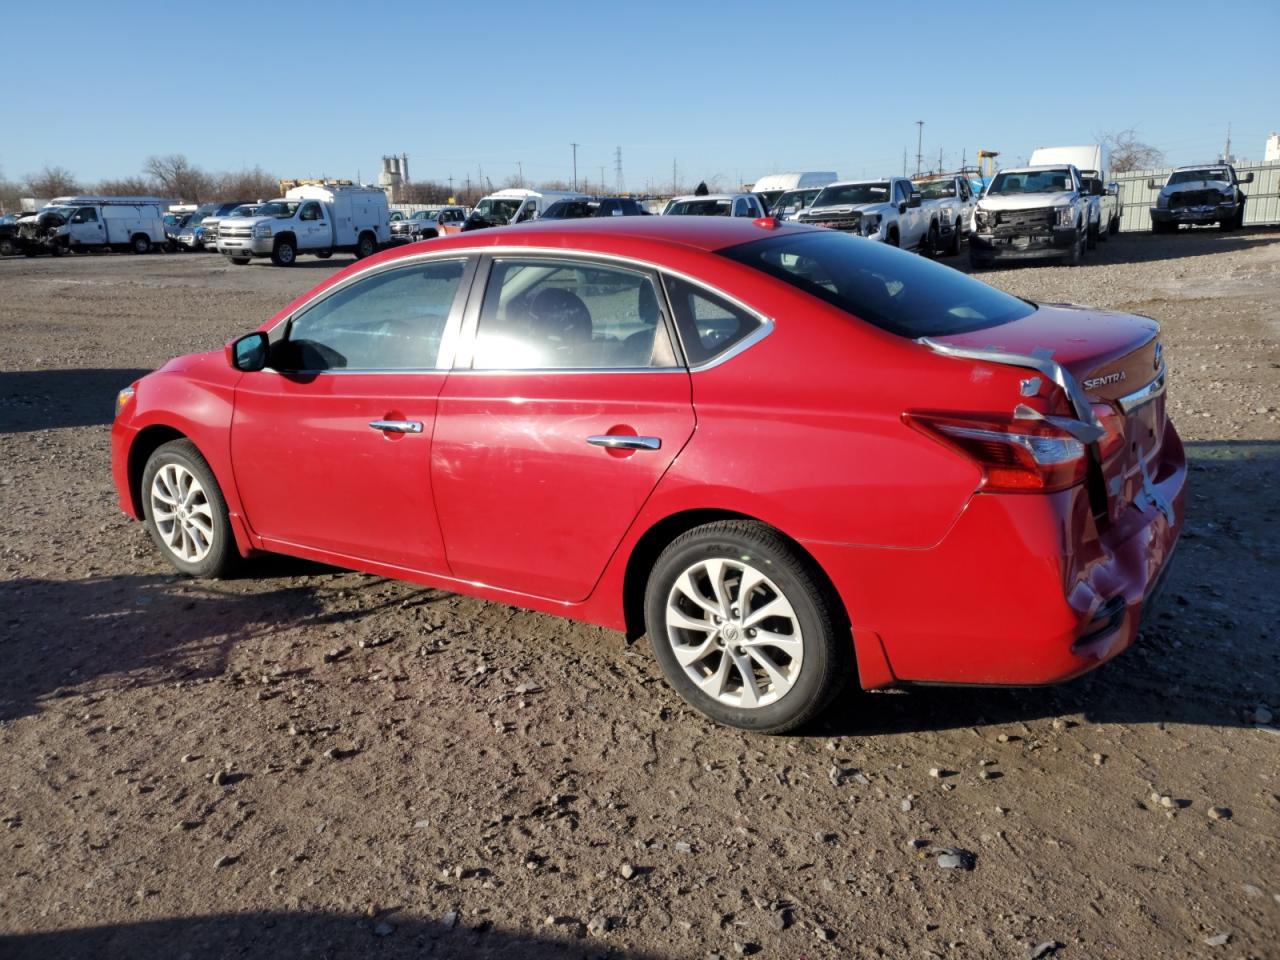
795, 199
570, 210
897, 291
280, 209
701, 207
936, 189
1191, 176
849, 193
243, 211
198, 218
425, 215
495, 208
1031, 181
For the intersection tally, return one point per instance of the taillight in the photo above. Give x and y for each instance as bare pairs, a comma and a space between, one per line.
1015, 456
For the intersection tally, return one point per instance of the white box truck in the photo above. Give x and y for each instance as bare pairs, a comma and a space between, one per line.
1093, 161
312, 218
773, 185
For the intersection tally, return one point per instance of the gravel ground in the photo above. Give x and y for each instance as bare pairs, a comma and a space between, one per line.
307, 762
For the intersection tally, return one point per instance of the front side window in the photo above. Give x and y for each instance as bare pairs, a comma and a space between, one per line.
899, 292
310, 212
394, 320
708, 324
87, 215
557, 315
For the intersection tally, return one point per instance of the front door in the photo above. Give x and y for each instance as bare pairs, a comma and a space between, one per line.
86, 228
331, 445
315, 230
566, 407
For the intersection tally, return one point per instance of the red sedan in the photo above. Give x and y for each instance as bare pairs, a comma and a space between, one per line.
788, 455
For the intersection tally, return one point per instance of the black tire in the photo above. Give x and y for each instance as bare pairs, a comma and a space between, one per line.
827, 649
140, 243
284, 253
1091, 236
957, 235
1240, 217
428, 234
57, 249
932, 241
240, 261
892, 237
1114, 226
366, 246
1076, 256
222, 555
7, 249
324, 254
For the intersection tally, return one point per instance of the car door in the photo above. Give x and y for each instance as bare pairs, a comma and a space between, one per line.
566, 405
331, 445
87, 228
315, 226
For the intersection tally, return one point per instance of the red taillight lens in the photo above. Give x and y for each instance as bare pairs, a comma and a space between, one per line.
1015, 456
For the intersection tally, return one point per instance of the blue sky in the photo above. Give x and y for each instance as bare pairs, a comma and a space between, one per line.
317, 88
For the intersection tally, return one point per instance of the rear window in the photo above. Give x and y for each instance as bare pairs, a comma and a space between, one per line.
897, 291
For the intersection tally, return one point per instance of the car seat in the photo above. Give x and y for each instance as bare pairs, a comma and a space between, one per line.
560, 320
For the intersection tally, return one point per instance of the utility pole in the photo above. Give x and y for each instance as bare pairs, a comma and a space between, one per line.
617, 169
520, 176
602, 178
575, 164
939, 159
1226, 152
468, 187
919, 145
904, 161
675, 178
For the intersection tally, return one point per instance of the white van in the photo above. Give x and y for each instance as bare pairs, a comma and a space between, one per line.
773, 185
515, 205
312, 218
120, 223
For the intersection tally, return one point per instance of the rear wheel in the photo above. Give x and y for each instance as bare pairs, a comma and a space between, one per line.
283, 254
185, 512
240, 261
365, 246
140, 243
744, 629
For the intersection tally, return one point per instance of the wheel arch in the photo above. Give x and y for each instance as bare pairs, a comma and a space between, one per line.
148, 440
654, 540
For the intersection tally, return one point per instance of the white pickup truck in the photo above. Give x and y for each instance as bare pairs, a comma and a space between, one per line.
949, 198
887, 210
309, 219
1029, 213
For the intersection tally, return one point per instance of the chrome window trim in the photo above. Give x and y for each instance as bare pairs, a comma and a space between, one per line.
474, 285
1143, 395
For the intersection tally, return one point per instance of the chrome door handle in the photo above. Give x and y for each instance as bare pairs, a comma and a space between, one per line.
397, 426
624, 442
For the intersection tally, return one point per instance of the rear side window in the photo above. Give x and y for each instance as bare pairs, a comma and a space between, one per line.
894, 290
709, 325
393, 320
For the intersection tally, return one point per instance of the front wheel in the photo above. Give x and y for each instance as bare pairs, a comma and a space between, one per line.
185, 512
744, 628
1091, 236
932, 244
141, 243
240, 261
956, 237
284, 253
1076, 256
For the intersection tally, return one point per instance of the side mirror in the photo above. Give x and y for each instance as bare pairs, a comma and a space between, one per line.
1152, 185
914, 201
249, 353
1247, 178
1113, 188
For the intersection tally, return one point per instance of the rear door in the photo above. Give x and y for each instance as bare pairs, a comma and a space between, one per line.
331, 446
566, 405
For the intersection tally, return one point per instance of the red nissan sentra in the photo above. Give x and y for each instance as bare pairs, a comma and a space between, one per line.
788, 455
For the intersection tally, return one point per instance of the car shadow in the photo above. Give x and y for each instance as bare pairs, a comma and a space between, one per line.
99, 634
1207, 653
271, 934
47, 399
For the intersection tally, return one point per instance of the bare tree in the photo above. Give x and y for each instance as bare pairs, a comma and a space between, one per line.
11, 193
51, 182
126, 187
1130, 153
255, 184
178, 178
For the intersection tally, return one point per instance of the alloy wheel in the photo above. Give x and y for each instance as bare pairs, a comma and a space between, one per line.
182, 513
734, 633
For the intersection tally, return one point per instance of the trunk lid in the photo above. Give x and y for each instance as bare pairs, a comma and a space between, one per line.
1114, 357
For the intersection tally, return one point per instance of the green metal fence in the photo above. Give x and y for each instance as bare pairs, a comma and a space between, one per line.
1261, 208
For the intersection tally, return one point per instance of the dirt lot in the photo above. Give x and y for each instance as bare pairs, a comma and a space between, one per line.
187, 774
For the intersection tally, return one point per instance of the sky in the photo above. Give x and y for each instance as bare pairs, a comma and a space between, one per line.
730, 91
